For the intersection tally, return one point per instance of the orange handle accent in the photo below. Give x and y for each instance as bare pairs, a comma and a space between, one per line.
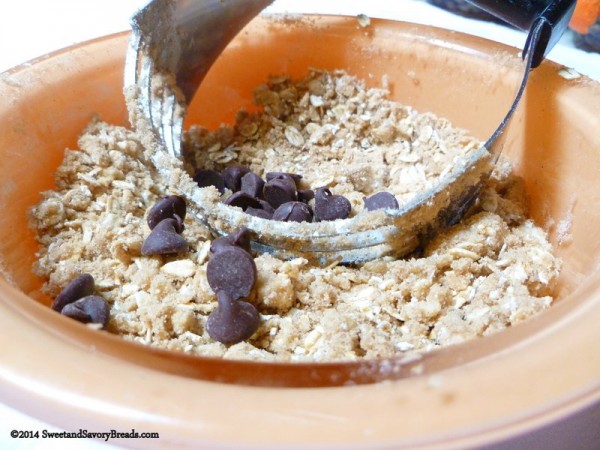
585, 15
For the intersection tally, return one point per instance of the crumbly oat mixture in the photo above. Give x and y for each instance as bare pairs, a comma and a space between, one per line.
493, 270
334, 132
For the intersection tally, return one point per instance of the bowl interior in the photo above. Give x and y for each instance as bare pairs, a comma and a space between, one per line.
552, 143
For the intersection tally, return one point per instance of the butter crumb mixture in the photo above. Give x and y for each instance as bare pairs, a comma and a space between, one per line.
493, 270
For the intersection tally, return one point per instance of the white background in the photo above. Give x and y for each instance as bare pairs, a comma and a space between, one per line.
29, 29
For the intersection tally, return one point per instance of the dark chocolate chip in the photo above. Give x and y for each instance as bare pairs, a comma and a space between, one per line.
179, 225
208, 177
381, 200
220, 243
252, 185
233, 176
263, 214
232, 321
285, 175
306, 195
239, 238
278, 191
164, 240
89, 309
293, 212
167, 208
232, 270
266, 206
329, 206
242, 200
265, 211
79, 287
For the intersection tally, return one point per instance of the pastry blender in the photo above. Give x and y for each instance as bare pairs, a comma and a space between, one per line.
172, 47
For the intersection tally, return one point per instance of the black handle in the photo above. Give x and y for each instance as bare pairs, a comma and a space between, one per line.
524, 14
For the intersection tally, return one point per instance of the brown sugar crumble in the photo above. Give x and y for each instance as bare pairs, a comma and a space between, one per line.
494, 269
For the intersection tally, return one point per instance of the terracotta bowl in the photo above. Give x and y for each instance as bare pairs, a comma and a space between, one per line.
543, 372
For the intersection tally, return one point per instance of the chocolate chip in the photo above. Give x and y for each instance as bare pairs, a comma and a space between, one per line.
265, 210
306, 195
381, 200
167, 208
220, 243
89, 309
293, 212
207, 177
233, 176
232, 270
239, 238
329, 206
263, 214
179, 226
164, 240
252, 185
242, 200
266, 206
79, 287
232, 321
278, 191
283, 175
